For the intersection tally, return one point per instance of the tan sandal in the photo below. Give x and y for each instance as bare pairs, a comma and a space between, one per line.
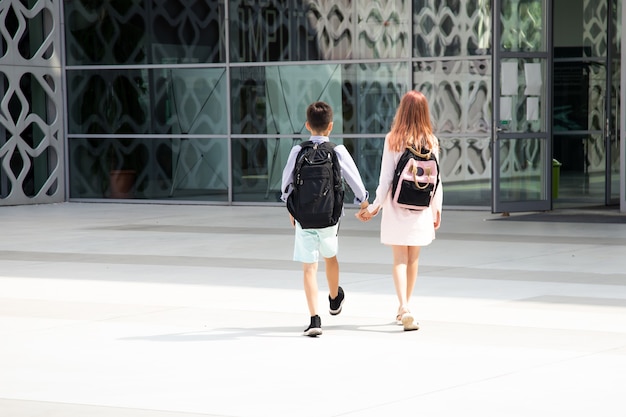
409, 323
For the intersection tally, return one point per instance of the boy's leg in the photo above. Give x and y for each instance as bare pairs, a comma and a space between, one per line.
329, 243
332, 275
310, 286
336, 294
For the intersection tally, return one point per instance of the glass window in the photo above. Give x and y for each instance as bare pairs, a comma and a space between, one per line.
164, 101
458, 92
149, 168
580, 28
459, 96
190, 100
106, 32
114, 101
465, 164
273, 100
522, 26
451, 28
138, 32
523, 95
187, 32
521, 171
258, 165
310, 30
367, 153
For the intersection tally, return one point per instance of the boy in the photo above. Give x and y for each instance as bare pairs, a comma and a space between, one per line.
312, 242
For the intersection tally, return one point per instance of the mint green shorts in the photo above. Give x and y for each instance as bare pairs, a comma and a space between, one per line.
311, 243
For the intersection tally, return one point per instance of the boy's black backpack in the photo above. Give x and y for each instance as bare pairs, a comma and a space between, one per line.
415, 179
317, 197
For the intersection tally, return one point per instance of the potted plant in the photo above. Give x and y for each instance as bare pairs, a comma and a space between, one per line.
123, 159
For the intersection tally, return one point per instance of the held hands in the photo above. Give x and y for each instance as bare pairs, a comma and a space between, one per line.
364, 215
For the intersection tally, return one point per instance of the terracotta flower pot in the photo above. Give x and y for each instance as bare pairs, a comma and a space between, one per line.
122, 182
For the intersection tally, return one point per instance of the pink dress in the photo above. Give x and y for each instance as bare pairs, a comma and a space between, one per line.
400, 226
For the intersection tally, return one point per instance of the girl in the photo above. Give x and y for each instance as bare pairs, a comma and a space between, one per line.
406, 231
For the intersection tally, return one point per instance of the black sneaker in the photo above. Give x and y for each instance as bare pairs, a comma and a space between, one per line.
336, 303
315, 328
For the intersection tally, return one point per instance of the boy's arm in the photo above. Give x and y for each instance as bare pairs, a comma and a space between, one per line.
287, 181
352, 176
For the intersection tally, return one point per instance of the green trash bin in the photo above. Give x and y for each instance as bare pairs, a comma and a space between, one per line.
556, 177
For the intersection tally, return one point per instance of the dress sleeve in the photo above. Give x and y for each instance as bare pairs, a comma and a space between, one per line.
387, 168
437, 202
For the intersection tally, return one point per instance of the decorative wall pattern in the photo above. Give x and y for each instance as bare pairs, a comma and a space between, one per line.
31, 119
452, 28
595, 38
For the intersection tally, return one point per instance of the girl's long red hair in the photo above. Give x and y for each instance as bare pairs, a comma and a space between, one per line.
411, 125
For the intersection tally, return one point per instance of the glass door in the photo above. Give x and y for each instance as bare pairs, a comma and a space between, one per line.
522, 149
586, 108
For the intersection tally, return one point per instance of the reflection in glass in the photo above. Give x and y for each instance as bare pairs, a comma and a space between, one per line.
465, 165
274, 99
580, 28
138, 32
272, 31
579, 101
113, 101
451, 28
308, 30
257, 167
154, 168
181, 100
616, 68
521, 170
190, 100
367, 154
105, 32
184, 33
594, 24
200, 169
458, 92
522, 26
582, 169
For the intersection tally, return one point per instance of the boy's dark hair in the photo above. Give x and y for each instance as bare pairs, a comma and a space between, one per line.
319, 115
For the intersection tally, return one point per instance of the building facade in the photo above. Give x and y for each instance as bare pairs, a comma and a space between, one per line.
201, 101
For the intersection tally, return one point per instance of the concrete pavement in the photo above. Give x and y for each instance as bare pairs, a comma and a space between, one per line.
128, 310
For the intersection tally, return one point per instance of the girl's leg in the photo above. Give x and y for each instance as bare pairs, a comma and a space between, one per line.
400, 259
413, 255
404, 276
310, 286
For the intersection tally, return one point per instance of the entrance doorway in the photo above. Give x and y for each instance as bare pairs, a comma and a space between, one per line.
586, 103
556, 89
